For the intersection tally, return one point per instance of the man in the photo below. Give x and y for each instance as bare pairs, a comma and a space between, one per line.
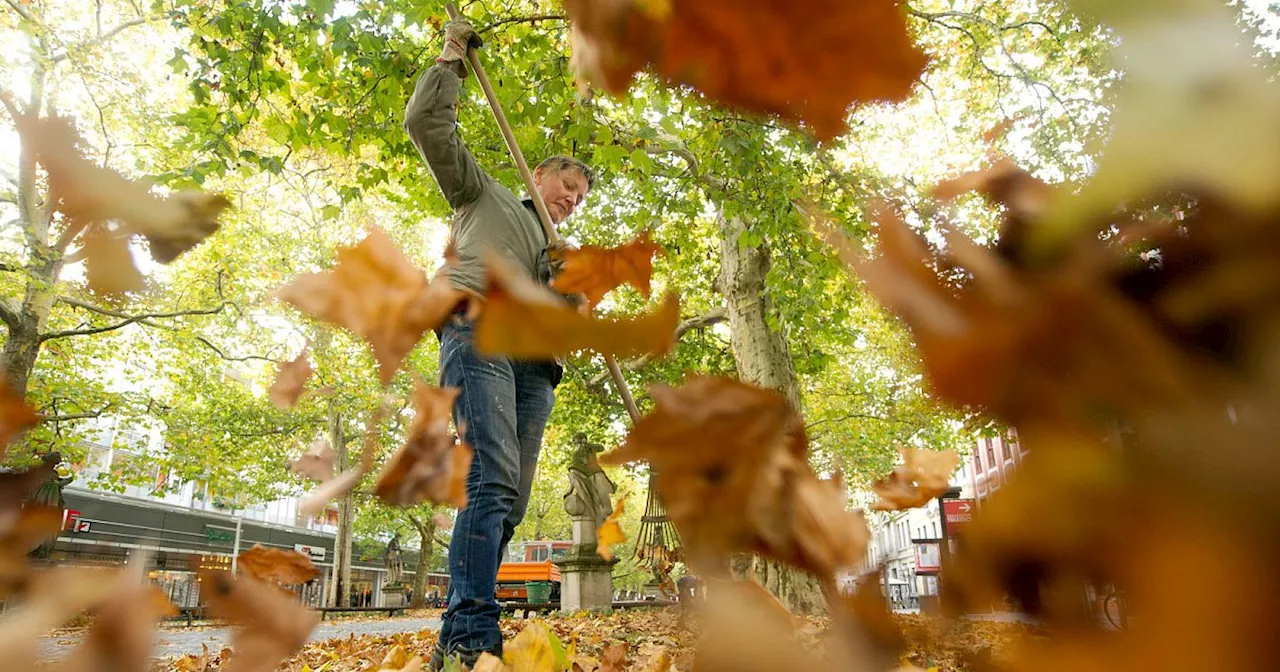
504, 403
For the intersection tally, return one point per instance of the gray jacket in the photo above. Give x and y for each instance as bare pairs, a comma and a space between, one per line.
487, 215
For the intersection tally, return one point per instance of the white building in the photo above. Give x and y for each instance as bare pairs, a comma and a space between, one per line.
904, 544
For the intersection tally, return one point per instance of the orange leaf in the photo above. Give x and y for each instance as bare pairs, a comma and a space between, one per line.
431, 465
291, 378
316, 463
109, 267
610, 531
595, 271
525, 321
277, 565
731, 467
275, 624
805, 62
376, 293
923, 475
89, 193
15, 415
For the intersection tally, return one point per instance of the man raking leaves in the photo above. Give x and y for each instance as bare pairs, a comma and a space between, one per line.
504, 403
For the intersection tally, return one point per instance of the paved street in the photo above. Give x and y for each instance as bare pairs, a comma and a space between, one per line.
180, 641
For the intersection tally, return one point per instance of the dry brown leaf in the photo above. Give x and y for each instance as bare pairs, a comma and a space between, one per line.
487, 662
525, 321
15, 415
21, 531
123, 627
1005, 183
432, 465
922, 476
614, 657
277, 565
531, 650
53, 598
291, 379
109, 267
610, 531
316, 463
273, 625
806, 63
86, 192
731, 468
336, 487
595, 271
376, 293
395, 659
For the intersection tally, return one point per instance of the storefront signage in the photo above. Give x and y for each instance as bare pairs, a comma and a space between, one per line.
313, 552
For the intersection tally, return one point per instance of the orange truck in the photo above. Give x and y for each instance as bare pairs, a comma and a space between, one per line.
527, 562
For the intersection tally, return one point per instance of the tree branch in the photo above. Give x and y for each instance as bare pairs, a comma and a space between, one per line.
145, 318
523, 19
9, 312
22, 11
62, 55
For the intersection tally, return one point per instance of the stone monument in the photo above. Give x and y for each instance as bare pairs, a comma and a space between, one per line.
393, 589
586, 579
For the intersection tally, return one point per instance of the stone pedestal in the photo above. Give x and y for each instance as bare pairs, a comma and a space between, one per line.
586, 579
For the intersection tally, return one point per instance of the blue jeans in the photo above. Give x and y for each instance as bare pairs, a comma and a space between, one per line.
503, 408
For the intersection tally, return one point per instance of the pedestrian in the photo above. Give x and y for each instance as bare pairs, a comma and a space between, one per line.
503, 403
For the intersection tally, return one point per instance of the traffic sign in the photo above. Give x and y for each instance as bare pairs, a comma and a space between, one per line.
959, 512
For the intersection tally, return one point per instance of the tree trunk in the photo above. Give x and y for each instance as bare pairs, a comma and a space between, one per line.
763, 359
346, 513
20, 352
426, 545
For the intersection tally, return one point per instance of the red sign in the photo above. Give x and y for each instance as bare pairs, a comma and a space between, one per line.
959, 512
69, 517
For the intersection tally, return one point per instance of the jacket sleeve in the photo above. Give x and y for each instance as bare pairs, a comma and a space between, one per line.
431, 120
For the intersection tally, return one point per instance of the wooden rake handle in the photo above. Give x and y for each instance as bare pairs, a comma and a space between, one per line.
473, 58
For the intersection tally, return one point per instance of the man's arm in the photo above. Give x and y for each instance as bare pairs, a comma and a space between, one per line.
431, 120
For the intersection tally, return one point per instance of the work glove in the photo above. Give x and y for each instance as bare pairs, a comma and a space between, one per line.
459, 35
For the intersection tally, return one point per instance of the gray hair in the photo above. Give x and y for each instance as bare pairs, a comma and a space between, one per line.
561, 162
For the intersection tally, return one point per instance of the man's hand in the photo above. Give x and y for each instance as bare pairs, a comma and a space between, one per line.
459, 36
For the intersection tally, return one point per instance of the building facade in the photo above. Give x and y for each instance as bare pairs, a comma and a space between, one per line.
181, 528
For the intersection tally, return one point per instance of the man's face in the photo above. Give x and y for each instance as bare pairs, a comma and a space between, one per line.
562, 190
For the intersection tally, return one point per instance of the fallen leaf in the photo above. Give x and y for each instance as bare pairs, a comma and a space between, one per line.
15, 415
22, 531
395, 659
614, 657
487, 662
336, 487
610, 531
291, 379
730, 464
806, 63
432, 465
109, 267
376, 293
273, 625
594, 271
525, 321
316, 463
1026, 196
922, 476
86, 192
276, 565
52, 599
123, 625
533, 651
